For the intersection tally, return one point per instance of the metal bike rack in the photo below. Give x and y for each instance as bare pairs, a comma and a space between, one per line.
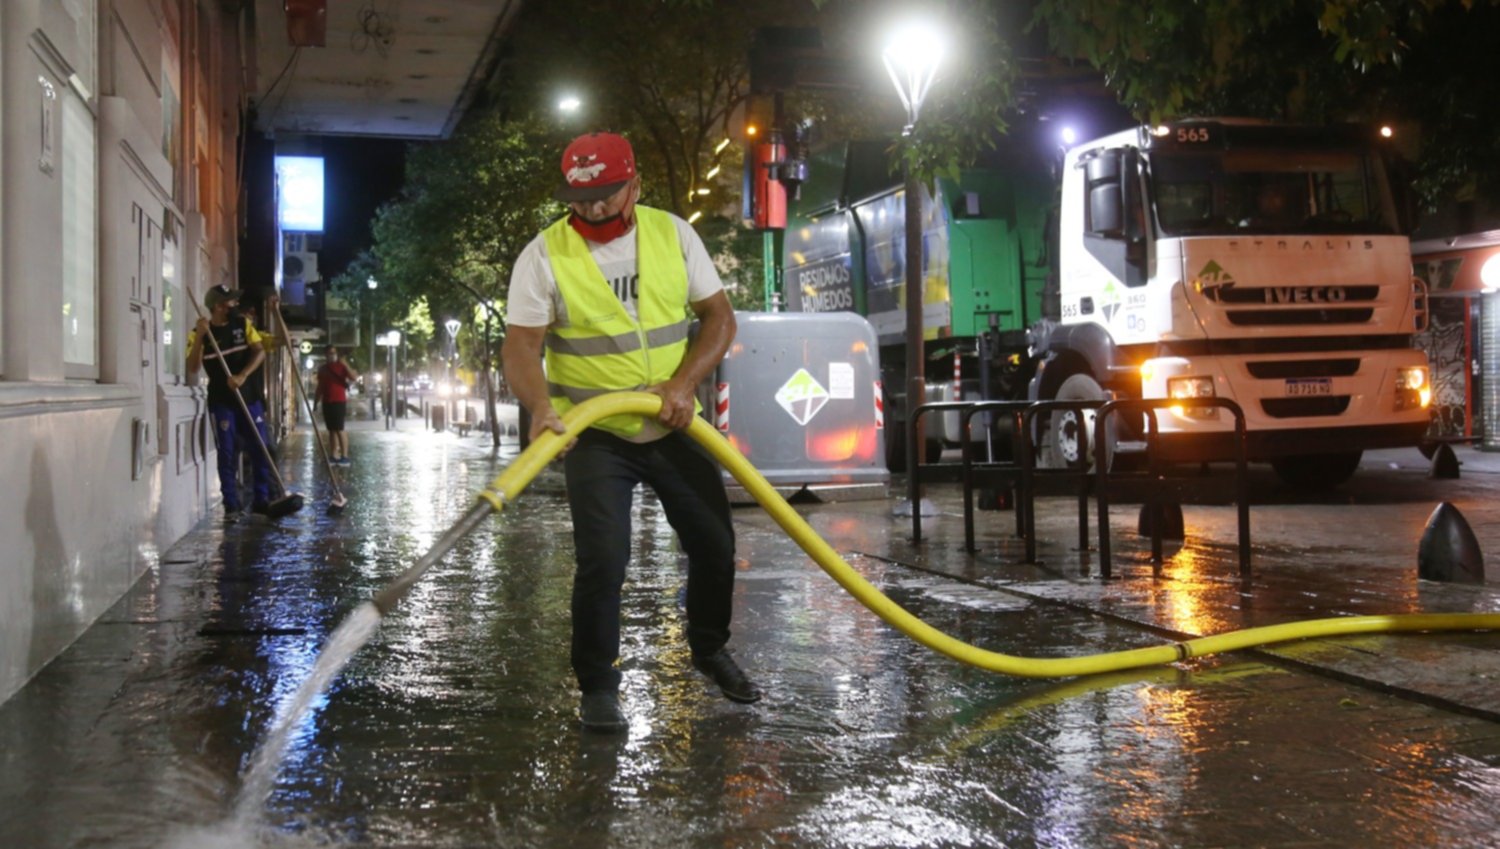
1077, 473
1007, 474
1156, 484
1020, 474
917, 472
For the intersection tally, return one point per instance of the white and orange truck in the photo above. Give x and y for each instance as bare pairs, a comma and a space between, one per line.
1264, 263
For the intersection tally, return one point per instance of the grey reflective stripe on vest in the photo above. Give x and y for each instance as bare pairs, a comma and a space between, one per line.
623, 344
662, 336
578, 395
592, 346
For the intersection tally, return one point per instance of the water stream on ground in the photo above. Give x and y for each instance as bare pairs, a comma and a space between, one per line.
347, 639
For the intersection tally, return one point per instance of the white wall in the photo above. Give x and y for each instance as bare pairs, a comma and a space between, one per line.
105, 470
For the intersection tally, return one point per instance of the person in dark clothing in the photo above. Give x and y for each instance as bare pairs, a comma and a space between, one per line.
609, 292
334, 379
243, 352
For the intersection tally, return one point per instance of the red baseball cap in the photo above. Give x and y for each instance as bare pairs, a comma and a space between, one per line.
594, 167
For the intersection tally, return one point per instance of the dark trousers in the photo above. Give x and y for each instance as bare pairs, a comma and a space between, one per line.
232, 434
602, 471
333, 415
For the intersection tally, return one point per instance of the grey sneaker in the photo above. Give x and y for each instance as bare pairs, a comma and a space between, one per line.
600, 711
733, 682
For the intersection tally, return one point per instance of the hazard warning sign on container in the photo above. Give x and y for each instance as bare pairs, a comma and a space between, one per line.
802, 396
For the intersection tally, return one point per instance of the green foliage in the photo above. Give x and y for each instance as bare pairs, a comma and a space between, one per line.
673, 77
667, 75
1425, 65
736, 251
417, 327
468, 207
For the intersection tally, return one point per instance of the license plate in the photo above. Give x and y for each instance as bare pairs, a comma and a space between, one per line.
1302, 386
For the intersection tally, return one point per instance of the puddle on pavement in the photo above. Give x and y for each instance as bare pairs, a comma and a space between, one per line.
454, 724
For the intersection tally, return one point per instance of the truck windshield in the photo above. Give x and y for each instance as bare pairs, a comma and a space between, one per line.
1267, 191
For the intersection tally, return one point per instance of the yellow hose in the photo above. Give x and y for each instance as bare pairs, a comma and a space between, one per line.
508, 486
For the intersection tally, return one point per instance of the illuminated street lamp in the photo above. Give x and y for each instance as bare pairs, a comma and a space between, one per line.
569, 104
912, 55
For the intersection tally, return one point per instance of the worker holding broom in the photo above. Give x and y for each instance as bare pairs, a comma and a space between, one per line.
242, 352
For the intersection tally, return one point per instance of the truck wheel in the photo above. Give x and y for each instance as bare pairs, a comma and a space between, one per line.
1061, 446
1316, 471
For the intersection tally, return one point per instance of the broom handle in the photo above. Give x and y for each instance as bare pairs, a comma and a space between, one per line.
307, 404
244, 408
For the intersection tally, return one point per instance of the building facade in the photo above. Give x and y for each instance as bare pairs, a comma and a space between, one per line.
119, 195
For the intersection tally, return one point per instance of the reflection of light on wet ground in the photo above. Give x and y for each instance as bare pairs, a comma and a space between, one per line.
1182, 601
457, 727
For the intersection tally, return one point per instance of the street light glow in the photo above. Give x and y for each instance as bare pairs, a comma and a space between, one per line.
912, 55
370, 281
1069, 136
1489, 274
569, 104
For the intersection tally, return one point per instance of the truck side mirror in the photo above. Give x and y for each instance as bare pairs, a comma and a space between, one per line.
1106, 211
1106, 197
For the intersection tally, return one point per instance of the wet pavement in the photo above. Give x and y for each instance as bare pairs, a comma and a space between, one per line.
455, 725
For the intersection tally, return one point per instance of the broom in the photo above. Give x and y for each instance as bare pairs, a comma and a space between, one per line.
289, 502
336, 506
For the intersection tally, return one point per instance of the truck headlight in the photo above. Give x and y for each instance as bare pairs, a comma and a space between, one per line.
1412, 389
1192, 387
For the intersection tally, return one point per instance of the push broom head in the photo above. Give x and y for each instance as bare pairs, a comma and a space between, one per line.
286, 505
336, 506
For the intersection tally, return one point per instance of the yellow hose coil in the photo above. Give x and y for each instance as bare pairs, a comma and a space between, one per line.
508, 486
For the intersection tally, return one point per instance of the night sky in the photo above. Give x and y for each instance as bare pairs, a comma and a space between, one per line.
361, 174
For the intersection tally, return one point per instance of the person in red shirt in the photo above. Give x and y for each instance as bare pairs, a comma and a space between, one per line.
334, 379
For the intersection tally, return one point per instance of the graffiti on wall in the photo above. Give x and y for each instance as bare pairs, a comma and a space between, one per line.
1443, 340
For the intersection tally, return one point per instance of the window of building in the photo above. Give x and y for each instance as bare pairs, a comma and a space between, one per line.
174, 328
80, 289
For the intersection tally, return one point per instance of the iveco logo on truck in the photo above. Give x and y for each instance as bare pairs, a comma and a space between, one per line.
1305, 294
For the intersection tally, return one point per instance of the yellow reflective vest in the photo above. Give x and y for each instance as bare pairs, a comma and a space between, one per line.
597, 347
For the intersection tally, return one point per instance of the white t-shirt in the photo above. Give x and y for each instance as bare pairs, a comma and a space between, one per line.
535, 301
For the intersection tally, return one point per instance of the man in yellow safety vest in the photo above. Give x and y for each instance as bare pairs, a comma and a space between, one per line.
609, 293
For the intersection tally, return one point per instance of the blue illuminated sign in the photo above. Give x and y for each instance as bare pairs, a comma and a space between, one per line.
300, 203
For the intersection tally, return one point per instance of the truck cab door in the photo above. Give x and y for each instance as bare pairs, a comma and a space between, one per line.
1115, 226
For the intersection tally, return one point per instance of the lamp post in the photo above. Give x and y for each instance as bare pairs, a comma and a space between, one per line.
370, 282
393, 338
912, 54
452, 325
491, 317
